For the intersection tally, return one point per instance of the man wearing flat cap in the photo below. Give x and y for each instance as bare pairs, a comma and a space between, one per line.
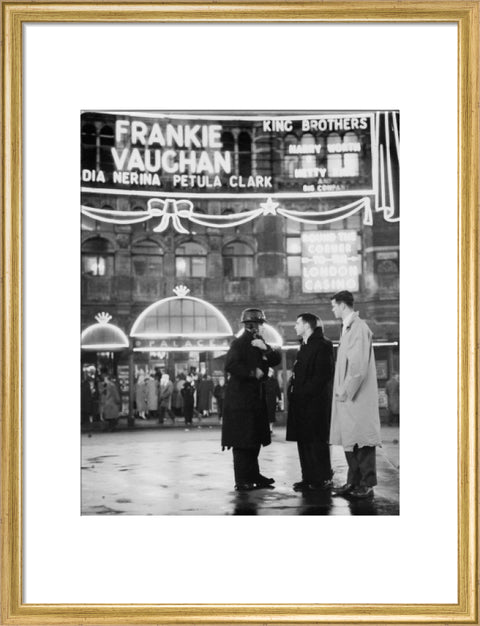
245, 426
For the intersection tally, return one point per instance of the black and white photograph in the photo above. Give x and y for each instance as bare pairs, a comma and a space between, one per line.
240, 312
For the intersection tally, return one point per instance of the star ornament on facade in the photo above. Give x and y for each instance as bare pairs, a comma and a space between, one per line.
269, 207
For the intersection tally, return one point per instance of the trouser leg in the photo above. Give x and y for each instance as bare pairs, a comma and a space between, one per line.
245, 464
362, 466
315, 461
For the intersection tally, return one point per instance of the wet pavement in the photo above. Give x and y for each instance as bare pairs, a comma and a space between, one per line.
173, 471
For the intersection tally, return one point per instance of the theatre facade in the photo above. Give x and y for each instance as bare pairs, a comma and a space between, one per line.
188, 218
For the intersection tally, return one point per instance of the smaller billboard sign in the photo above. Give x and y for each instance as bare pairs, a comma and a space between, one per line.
331, 261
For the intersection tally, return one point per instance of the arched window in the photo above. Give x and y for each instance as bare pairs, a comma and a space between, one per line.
89, 147
97, 257
291, 160
244, 154
107, 140
190, 260
147, 259
308, 151
343, 155
228, 141
237, 260
264, 154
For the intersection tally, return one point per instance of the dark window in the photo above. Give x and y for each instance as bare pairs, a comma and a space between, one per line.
244, 154
190, 260
147, 259
237, 260
97, 257
89, 147
107, 140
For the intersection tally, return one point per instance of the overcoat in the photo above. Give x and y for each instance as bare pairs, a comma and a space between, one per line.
355, 416
152, 393
272, 394
110, 401
188, 393
165, 391
204, 395
141, 398
177, 399
310, 391
393, 394
245, 420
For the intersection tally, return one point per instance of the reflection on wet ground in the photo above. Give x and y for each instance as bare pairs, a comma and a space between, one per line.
177, 472
321, 503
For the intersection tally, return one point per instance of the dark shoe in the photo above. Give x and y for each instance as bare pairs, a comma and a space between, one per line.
324, 485
361, 493
263, 485
245, 487
264, 481
344, 490
300, 486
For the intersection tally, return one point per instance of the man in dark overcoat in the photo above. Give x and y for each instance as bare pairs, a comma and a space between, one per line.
245, 426
310, 404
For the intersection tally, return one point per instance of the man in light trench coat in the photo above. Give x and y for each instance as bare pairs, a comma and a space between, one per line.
355, 418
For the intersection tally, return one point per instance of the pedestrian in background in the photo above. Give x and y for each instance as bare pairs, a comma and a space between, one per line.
110, 401
141, 399
188, 396
272, 396
177, 399
89, 397
165, 399
245, 425
204, 395
393, 396
310, 404
151, 390
219, 394
355, 415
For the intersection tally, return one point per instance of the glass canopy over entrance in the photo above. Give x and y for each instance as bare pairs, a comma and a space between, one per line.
180, 322
103, 336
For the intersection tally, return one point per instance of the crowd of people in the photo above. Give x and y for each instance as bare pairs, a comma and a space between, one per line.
190, 396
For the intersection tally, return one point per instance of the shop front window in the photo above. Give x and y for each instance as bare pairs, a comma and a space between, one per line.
237, 260
147, 259
190, 260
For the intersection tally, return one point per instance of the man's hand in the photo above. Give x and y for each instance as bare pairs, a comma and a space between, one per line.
259, 343
258, 371
341, 397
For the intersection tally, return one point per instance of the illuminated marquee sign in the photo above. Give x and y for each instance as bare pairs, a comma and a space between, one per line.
331, 261
223, 155
181, 344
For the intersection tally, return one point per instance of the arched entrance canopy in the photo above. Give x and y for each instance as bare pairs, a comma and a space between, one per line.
181, 323
103, 336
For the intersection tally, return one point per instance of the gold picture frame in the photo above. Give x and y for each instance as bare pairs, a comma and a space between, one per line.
466, 16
